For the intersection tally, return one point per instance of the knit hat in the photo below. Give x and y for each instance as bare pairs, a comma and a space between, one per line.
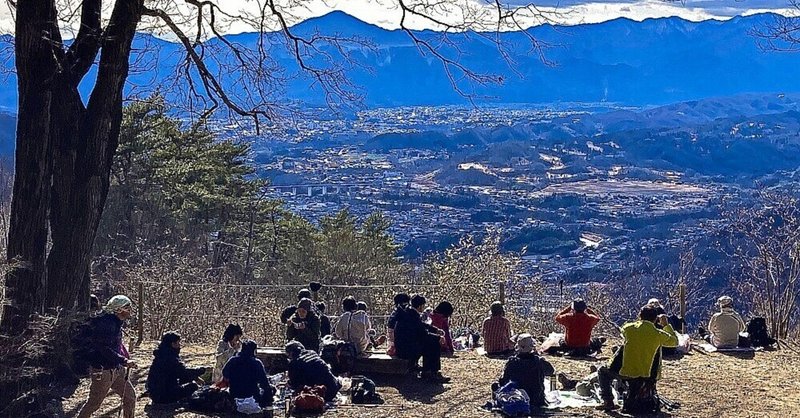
116, 303
525, 343
304, 303
655, 303
725, 302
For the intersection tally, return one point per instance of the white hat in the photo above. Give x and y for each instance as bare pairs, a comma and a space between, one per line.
525, 343
725, 301
116, 303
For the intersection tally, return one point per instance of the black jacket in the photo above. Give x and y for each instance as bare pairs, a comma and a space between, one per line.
104, 342
309, 336
410, 332
528, 370
246, 375
168, 373
309, 369
324, 325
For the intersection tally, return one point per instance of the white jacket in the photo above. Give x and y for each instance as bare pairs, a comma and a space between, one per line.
353, 327
725, 327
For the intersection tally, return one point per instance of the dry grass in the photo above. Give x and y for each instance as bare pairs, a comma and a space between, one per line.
706, 385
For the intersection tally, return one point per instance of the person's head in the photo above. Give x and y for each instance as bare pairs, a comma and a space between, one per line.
94, 302
496, 308
418, 302
321, 307
303, 293
525, 343
444, 308
294, 348
170, 339
648, 313
362, 306
315, 286
349, 304
401, 299
119, 305
249, 348
579, 305
654, 303
303, 307
725, 302
232, 334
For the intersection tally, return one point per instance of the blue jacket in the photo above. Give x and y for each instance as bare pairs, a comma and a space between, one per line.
246, 375
105, 340
309, 369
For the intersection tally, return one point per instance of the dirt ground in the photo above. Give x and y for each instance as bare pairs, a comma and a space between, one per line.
706, 385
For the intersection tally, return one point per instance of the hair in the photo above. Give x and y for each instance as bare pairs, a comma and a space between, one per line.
168, 339
402, 299
648, 313
362, 306
496, 308
445, 308
578, 305
231, 331
303, 293
349, 303
249, 347
294, 348
417, 301
321, 307
315, 286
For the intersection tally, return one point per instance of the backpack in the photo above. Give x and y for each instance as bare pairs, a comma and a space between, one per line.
208, 399
310, 400
641, 397
341, 355
759, 335
81, 343
512, 401
363, 391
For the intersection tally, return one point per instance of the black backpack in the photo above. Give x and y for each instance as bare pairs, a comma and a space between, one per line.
211, 400
759, 335
341, 355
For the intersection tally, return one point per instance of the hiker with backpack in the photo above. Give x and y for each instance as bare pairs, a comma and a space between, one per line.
353, 325
304, 325
227, 347
725, 325
306, 368
414, 339
578, 320
527, 370
497, 331
401, 301
640, 356
169, 380
440, 318
108, 366
246, 376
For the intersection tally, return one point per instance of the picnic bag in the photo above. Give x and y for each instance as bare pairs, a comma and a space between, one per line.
512, 401
310, 400
759, 335
340, 354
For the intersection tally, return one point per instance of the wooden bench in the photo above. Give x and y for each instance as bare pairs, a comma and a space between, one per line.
275, 361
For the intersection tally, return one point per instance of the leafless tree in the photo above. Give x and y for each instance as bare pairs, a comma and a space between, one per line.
65, 146
765, 242
782, 33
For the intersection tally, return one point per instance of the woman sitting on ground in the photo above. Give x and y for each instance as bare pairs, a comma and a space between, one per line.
169, 380
227, 347
440, 318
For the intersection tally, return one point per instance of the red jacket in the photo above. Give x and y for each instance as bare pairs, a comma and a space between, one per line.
578, 327
443, 323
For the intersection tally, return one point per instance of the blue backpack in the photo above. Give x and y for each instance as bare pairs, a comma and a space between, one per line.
512, 401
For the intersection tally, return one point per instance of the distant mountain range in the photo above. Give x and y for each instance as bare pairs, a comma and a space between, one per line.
656, 61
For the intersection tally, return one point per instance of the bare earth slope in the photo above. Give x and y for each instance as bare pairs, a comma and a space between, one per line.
714, 385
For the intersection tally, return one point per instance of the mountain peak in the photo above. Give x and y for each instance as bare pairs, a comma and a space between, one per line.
335, 21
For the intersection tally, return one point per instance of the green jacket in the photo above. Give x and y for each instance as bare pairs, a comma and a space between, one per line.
642, 342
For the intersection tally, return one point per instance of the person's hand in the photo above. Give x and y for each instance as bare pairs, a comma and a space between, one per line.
131, 364
441, 339
662, 320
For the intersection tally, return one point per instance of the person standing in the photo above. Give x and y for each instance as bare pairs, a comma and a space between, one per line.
109, 367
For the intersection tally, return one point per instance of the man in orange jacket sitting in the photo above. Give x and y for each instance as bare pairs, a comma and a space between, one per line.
578, 320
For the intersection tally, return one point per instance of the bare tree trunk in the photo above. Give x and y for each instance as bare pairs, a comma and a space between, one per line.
27, 236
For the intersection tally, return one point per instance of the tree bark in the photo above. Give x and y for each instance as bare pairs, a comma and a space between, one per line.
85, 163
27, 238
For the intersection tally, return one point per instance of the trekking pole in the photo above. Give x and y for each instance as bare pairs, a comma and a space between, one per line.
122, 404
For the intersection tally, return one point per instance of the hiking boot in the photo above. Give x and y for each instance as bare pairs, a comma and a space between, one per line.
608, 405
436, 377
566, 382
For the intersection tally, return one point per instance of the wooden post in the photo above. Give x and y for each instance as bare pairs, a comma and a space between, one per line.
682, 298
503, 293
140, 316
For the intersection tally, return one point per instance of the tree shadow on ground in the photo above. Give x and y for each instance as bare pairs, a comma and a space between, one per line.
411, 388
742, 355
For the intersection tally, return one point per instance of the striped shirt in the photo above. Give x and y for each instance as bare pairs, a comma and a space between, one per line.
497, 335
